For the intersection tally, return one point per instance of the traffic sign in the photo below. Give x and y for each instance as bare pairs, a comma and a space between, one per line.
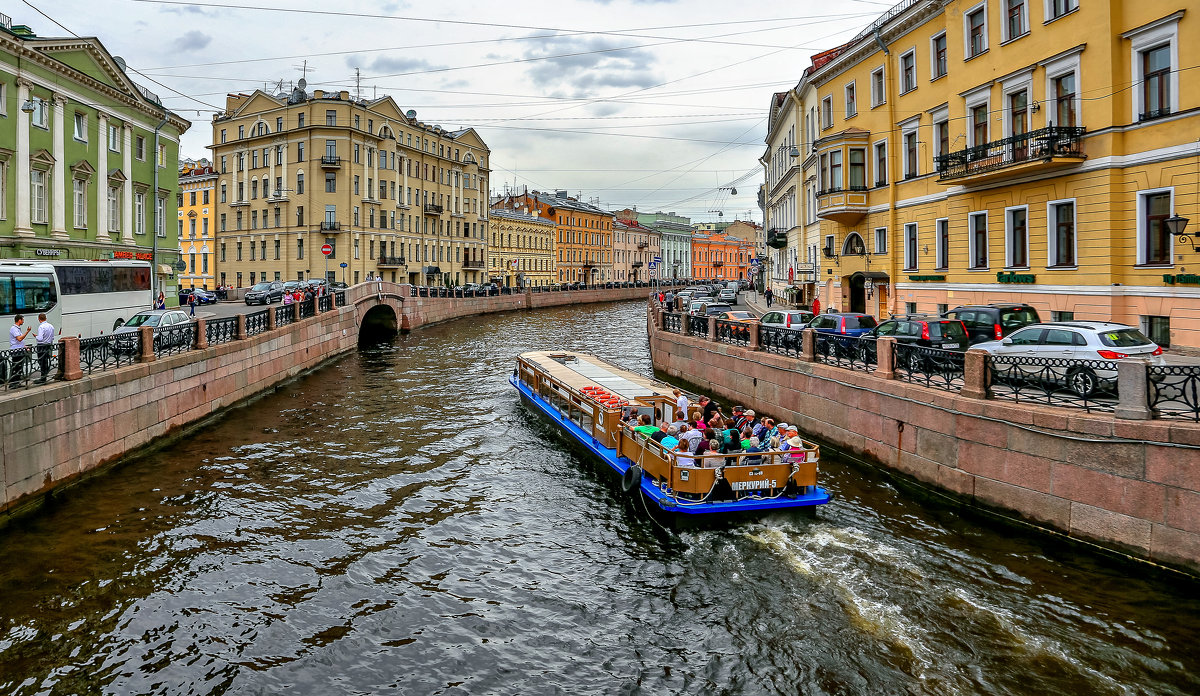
327, 249
754, 262
652, 273
653, 264
658, 259
344, 264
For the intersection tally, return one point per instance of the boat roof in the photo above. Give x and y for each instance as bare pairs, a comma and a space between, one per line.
578, 370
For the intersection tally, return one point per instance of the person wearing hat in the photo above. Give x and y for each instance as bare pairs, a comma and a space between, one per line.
794, 449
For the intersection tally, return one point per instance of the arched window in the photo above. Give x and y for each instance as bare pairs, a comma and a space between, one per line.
854, 246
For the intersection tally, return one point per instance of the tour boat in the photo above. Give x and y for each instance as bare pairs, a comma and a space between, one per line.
587, 398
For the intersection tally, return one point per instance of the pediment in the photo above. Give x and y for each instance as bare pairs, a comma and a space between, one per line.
83, 169
117, 175
88, 56
42, 157
258, 101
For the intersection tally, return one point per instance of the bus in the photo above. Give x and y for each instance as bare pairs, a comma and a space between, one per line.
80, 298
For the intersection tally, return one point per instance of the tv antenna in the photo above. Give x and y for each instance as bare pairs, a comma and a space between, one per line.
304, 69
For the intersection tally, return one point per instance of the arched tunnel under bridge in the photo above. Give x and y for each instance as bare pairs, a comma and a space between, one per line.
379, 324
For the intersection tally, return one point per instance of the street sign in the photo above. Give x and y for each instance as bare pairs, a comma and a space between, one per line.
653, 273
754, 262
344, 264
653, 265
657, 259
327, 249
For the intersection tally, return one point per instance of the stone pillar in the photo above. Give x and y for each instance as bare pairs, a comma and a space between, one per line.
68, 357
201, 333
712, 328
975, 374
24, 226
685, 326
270, 192
754, 344
101, 223
1132, 390
283, 157
884, 350
808, 345
375, 181
295, 312
127, 187
58, 218
240, 333
402, 199
272, 323
146, 336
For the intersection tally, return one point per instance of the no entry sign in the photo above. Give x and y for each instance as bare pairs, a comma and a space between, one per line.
327, 249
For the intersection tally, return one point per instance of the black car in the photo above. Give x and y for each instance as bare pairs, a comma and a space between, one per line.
916, 329
995, 321
265, 293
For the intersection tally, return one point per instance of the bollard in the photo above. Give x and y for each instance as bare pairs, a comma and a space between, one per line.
808, 345
712, 329
201, 334
975, 378
753, 329
68, 358
272, 321
884, 364
1132, 390
146, 338
240, 333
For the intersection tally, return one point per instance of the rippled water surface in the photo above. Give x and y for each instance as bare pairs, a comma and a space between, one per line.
398, 523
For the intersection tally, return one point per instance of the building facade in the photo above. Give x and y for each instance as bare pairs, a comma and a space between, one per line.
637, 249
196, 201
392, 197
520, 248
675, 236
584, 239
88, 158
1013, 150
717, 256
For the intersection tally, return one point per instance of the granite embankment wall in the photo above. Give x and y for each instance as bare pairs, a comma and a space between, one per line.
55, 434
1131, 486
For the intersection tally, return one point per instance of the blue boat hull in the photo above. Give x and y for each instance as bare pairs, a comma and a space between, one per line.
665, 502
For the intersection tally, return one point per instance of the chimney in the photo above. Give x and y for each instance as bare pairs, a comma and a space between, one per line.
344, 94
318, 94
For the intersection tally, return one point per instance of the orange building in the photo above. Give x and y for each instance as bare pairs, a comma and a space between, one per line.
584, 238
717, 256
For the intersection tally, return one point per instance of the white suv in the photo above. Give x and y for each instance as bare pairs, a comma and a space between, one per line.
786, 318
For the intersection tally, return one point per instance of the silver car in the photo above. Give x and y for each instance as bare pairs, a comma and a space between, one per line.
125, 338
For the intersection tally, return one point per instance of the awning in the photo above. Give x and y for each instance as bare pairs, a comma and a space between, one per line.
165, 269
431, 270
872, 275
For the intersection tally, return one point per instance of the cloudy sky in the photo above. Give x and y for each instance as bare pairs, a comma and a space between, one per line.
657, 104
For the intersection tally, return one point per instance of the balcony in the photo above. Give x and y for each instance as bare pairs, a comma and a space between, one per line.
331, 226
1017, 155
474, 264
331, 162
433, 209
642, 245
777, 239
846, 206
390, 261
636, 264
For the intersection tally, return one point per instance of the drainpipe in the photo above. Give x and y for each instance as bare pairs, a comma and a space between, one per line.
895, 144
154, 217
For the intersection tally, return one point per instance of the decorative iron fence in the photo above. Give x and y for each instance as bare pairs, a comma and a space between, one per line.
1087, 384
17, 367
285, 315
256, 323
108, 352
848, 352
325, 303
218, 331
733, 332
776, 339
341, 298
308, 308
673, 322
1174, 391
169, 340
1037, 145
697, 326
930, 367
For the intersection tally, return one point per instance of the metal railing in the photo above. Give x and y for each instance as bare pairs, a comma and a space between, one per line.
217, 331
324, 303
308, 308
18, 366
107, 352
285, 315
673, 322
330, 226
697, 326
391, 261
849, 352
733, 332
331, 161
1041, 144
1174, 391
256, 323
341, 297
1087, 384
170, 340
930, 367
776, 339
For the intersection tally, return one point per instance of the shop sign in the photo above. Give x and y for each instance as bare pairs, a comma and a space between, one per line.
1181, 279
140, 256
1012, 277
48, 252
933, 278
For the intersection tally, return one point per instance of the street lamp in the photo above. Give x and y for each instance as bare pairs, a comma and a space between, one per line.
1176, 226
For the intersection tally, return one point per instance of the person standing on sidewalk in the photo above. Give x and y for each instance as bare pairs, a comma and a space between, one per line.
816, 306
768, 296
16, 349
192, 303
45, 347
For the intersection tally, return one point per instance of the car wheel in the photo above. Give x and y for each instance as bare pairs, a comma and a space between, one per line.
916, 362
864, 355
118, 324
1083, 382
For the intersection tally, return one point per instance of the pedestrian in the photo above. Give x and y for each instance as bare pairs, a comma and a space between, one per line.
192, 302
45, 346
816, 306
161, 302
16, 349
768, 296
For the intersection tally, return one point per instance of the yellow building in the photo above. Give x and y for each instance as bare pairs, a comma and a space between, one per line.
520, 248
197, 216
394, 197
974, 151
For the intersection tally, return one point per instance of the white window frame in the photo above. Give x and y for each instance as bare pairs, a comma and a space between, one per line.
938, 116
114, 208
114, 138
160, 217
882, 72
1024, 81
874, 169
1056, 68
850, 93
1141, 226
910, 53
1024, 21
881, 248
79, 201
1049, 10
1152, 35
829, 244
1008, 247
971, 216
139, 213
911, 233
966, 18
910, 127
38, 195
80, 127
827, 112
937, 243
3, 99
1052, 234
933, 74
979, 96
3, 187
41, 113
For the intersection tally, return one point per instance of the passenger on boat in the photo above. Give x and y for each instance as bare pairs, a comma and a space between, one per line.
710, 407
754, 447
731, 438
767, 430
688, 437
668, 443
747, 436
680, 419
644, 427
795, 449
684, 446
681, 401
661, 432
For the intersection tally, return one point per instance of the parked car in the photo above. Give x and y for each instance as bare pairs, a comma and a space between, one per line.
125, 338
1077, 340
203, 296
916, 329
843, 323
995, 321
265, 293
786, 319
715, 309
727, 295
293, 285
739, 315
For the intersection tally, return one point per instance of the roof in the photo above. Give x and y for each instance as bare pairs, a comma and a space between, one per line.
518, 216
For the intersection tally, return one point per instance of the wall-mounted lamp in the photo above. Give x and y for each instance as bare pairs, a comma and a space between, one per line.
28, 107
795, 151
1176, 226
1035, 107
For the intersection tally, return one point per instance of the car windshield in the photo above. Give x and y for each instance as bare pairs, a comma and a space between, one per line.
947, 329
737, 315
1018, 317
1123, 338
262, 286
143, 320
863, 322
714, 309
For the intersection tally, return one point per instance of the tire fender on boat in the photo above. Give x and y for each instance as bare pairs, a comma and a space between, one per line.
632, 478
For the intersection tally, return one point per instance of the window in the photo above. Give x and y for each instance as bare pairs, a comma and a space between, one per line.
278, 248
81, 127
330, 182
1057, 315
1154, 242
1155, 62
937, 55
40, 114
205, 196
331, 148
114, 138
224, 191
79, 191
851, 101
941, 138
160, 217
910, 246
139, 148
139, 215
878, 95
1018, 120
1064, 100
300, 120
114, 209
908, 72
858, 169
1016, 237
910, 154
881, 167
881, 238
835, 170
300, 151
942, 242
162, 155
1156, 90
827, 112
241, 132
978, 240
1061, 242
278, 123
1157, 329
331, 117
975, 29
254, 159
300, 183
979, 125
1016, 22
1058, 8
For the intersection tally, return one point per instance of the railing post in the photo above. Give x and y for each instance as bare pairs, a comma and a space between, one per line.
975, 369
201, 333
753, 328
808, 345
296, 312
240, 333
884, 349
1132, 390
685, 324
146, 339
272, 322
68, 358
712, 328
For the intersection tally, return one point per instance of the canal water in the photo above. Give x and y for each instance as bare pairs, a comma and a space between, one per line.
398, 523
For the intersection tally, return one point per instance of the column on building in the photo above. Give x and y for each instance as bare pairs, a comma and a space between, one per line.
24, 226
269, 192
366, 173
403, 181
283, 157
127, 187
58, 226
375, 170
102, 179
237, 161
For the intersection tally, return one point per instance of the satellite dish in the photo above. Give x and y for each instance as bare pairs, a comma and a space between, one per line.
303, 83
733, 191
411, 113
120, 62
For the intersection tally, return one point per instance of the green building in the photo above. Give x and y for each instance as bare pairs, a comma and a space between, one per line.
79, 142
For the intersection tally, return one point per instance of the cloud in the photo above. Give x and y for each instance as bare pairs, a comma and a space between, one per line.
388, 64
193, 40
580, 67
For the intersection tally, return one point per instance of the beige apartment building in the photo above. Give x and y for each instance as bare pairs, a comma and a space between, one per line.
521, 248
392, 196
635, 248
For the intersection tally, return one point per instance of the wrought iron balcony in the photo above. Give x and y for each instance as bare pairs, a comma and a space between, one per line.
331, 162
846, 206
642, 245
777, 239
477, 264
433, 209
330, 226
636, 264
1013, 156
391, 261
